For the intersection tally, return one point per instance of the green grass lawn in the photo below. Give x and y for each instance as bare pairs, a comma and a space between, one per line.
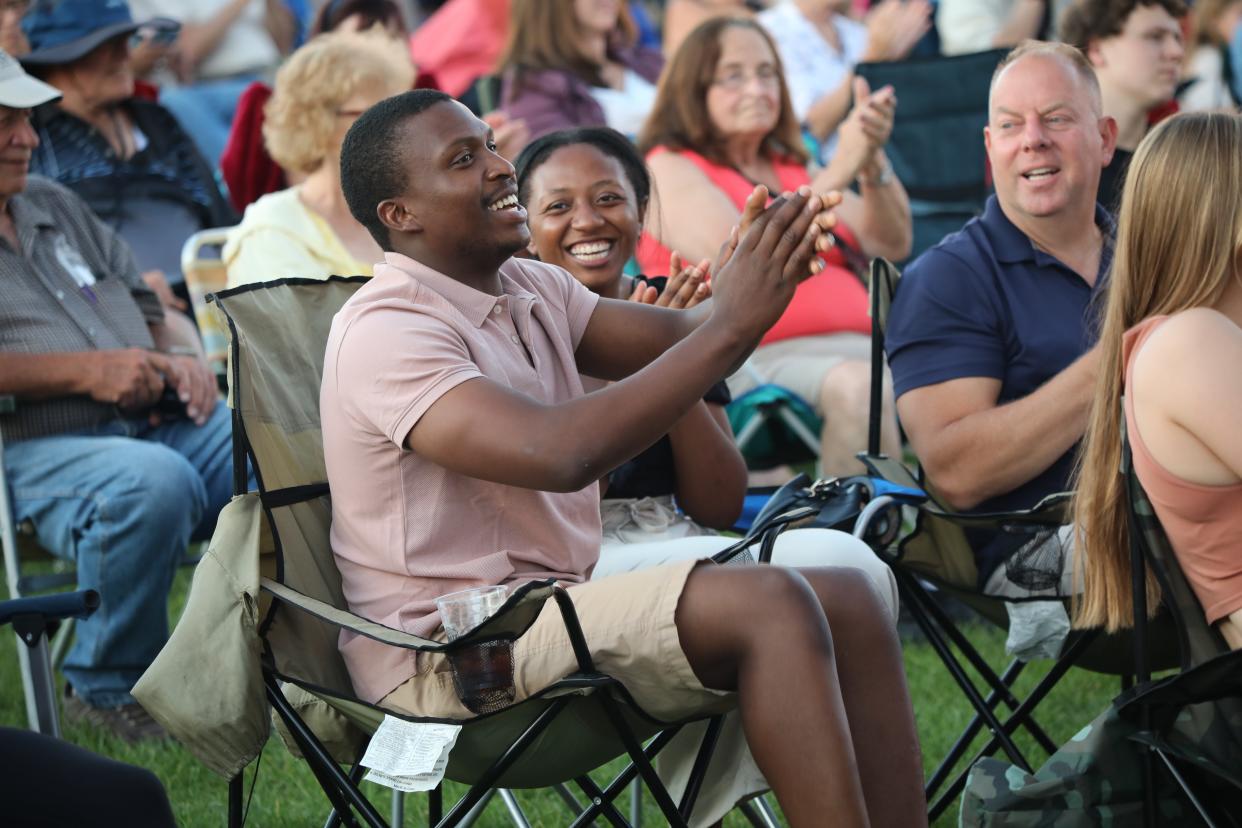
287, 795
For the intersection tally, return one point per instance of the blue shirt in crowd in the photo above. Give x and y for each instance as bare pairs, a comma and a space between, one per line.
986, 303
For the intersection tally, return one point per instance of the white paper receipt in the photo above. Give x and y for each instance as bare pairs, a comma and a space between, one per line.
409, 756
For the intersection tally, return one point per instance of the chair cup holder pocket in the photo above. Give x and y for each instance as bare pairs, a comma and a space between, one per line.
483, 675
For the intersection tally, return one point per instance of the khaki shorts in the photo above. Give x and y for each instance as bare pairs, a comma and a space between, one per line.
628, 621
800, 364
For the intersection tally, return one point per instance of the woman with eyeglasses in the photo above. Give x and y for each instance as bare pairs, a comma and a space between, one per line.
306, 230
721, 124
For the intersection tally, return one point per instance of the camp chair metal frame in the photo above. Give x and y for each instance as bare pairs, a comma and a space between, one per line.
1199, 647
203, 276
32, 618
532, 718
35, 663
1083, 647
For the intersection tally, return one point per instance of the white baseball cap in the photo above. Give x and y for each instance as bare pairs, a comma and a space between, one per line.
20, 91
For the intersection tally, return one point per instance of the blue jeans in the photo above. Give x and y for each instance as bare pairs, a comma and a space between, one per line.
205, 111
123, 501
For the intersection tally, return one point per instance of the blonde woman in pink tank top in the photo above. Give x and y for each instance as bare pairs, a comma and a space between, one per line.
1171, 345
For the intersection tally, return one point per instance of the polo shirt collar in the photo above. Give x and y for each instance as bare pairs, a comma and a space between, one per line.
1011, 245
28, 217
473, 304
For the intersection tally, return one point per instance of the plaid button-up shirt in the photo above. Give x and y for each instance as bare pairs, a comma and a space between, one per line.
48, 303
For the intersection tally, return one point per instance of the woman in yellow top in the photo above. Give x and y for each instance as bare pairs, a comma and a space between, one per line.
306, 230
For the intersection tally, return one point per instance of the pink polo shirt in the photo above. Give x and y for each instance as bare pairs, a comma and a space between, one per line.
405, 530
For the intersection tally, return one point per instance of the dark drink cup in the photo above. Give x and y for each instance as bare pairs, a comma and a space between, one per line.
482, 672
483, 676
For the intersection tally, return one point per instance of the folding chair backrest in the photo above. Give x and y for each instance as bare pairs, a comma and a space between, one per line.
1208, 733
205, 273
278, 334
936, 147
1199, 641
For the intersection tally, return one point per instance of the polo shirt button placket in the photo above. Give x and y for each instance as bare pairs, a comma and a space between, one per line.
496, 309
516, 339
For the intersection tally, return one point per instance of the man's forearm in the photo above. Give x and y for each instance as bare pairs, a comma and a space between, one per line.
176, 335
991, 452
633, 413
198, 40
41, 376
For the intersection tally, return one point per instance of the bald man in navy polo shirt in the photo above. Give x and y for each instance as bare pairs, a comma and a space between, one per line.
991, 334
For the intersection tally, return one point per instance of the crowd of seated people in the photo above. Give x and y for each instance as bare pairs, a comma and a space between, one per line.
126, 156
306, 230
644, 182
572, 63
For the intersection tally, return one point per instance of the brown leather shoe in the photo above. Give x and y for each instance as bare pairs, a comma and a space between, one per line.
129, 722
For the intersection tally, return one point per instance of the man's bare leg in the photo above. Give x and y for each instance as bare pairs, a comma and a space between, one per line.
872, 677
779, 655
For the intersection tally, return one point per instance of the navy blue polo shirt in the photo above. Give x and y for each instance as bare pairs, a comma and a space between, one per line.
985, 303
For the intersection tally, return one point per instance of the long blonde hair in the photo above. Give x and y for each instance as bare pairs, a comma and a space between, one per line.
1179, 235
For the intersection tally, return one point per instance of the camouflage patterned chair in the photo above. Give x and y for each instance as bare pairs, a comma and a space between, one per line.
1166, 752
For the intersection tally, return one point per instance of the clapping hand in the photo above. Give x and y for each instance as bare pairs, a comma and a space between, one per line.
825, 220
686, 287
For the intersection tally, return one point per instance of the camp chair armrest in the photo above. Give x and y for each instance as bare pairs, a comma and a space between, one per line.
509, 622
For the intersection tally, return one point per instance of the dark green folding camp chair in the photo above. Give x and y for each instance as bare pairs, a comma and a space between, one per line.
935, 556
266, 610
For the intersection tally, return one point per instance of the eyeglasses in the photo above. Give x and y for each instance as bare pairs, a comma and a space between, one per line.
19, 7
736, 79
349, 113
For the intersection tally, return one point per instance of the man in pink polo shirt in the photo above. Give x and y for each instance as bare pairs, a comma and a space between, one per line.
462, 451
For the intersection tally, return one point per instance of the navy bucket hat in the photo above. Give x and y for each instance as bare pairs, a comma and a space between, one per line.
61, 31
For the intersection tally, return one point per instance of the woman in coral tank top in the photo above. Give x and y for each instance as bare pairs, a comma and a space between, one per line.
1171, 344
722, 123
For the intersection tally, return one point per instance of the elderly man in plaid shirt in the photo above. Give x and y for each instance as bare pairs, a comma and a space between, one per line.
119, 453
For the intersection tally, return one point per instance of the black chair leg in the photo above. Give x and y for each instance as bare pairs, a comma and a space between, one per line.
335, 784
639, 758
601, 805
917, 605
435, 805
334, 816
235, 801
